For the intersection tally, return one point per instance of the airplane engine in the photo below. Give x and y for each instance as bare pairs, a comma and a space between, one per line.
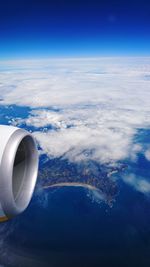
18, 170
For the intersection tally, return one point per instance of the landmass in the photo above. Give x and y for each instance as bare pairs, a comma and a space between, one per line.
89, 174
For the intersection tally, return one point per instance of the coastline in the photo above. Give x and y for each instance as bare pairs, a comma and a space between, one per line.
75, 184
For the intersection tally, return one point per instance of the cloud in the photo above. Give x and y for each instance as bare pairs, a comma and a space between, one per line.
138, 183
99, 132
107, 81
43, 118
95, 107
82, 142
147, 154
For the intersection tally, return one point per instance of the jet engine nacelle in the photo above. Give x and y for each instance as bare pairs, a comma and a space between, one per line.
18, 170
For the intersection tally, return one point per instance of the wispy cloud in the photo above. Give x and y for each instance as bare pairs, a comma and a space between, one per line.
147, 154
138, 183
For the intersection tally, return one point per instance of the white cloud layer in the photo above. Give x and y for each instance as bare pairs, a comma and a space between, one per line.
114, 82
102, 103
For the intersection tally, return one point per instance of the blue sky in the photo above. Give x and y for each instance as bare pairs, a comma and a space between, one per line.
74, 28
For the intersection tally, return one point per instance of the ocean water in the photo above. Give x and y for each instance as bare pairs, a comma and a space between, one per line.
64, 227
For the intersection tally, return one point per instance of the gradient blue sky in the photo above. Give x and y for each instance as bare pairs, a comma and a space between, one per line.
74, 28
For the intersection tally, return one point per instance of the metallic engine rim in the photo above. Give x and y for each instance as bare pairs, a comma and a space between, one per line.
9, 204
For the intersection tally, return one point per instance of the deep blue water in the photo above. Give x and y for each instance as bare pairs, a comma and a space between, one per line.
65, 228
7, 113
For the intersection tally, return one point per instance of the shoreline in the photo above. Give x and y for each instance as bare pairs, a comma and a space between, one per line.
74, 184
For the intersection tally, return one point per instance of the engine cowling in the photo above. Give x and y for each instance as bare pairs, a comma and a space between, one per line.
18, 170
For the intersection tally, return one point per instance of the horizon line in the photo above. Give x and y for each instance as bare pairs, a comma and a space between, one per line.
70, 57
